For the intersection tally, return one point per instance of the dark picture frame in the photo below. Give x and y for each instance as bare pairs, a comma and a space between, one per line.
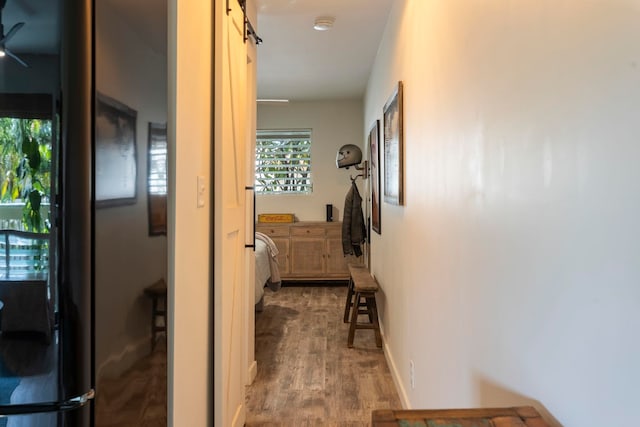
115, 153
157, 174
374, 162
393, 148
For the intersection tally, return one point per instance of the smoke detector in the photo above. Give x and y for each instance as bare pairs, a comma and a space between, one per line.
323, 23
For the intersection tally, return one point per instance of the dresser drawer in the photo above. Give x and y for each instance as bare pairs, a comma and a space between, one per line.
307, 231
274, 231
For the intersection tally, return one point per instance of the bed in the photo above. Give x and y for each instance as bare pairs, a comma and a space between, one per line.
267, 273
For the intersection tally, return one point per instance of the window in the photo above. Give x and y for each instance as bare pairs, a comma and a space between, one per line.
283, 161
157, 178
26, 141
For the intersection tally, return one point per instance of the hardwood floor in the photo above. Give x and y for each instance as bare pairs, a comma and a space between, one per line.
306, 374
138, 398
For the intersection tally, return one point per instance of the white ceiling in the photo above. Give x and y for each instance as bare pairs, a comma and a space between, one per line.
146, 18
40, 33
296, 62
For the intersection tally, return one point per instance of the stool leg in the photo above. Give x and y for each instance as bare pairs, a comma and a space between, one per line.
354, 320
369, 310
153, 322
373, 315
349, 302
166, 326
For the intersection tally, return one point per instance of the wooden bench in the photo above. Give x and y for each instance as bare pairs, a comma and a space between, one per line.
522, 416
157, 292
361, 299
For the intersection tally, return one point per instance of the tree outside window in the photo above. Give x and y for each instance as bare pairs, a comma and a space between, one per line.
283, 161
25, 168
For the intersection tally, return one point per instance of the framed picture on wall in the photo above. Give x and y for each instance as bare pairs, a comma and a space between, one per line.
157, 178
393, 148
115, 154
374, 162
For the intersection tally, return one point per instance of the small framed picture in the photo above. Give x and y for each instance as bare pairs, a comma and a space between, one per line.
374, 162
393, 148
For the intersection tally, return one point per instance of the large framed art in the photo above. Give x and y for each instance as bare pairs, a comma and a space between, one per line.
374, 153
115, 171
393, 148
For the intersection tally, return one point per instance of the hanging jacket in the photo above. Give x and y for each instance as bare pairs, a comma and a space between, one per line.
353, 228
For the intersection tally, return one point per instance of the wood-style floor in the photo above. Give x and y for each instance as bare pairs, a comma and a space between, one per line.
138, 398
306, 374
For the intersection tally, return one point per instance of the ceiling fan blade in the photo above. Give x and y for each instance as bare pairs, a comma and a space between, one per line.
12, 32
20, 61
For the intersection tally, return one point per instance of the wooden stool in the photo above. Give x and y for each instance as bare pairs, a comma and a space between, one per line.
349, 303
361, 296
157, 291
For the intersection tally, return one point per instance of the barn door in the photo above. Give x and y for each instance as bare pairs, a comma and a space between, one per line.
230, 213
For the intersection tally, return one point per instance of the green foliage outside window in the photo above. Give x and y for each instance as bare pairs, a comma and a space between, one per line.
25, 167
283, 161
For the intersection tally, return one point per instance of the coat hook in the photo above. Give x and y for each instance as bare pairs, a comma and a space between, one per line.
364, 169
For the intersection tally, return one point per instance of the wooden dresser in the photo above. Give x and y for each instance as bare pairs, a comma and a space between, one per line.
309, 250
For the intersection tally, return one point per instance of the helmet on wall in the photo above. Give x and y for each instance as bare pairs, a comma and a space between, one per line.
348, 155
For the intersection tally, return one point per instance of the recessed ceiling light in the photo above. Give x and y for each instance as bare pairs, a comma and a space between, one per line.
323, 23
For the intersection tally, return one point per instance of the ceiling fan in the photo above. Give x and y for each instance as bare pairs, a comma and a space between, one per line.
4, 38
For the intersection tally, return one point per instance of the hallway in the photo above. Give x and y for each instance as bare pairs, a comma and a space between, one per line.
306, 374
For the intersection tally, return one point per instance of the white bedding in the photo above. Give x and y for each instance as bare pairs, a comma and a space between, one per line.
267, 273
263, 271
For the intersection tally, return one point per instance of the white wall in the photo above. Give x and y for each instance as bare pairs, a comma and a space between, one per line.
127, 258
189, 356
333, 124
511, 275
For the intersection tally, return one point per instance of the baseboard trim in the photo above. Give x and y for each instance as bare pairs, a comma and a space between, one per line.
240, 417
252, 372
402, 393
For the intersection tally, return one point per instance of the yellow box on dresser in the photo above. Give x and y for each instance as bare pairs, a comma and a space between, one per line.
276, 218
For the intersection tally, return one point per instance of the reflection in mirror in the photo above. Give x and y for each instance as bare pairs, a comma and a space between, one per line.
30, 94
130, 219
157, 178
